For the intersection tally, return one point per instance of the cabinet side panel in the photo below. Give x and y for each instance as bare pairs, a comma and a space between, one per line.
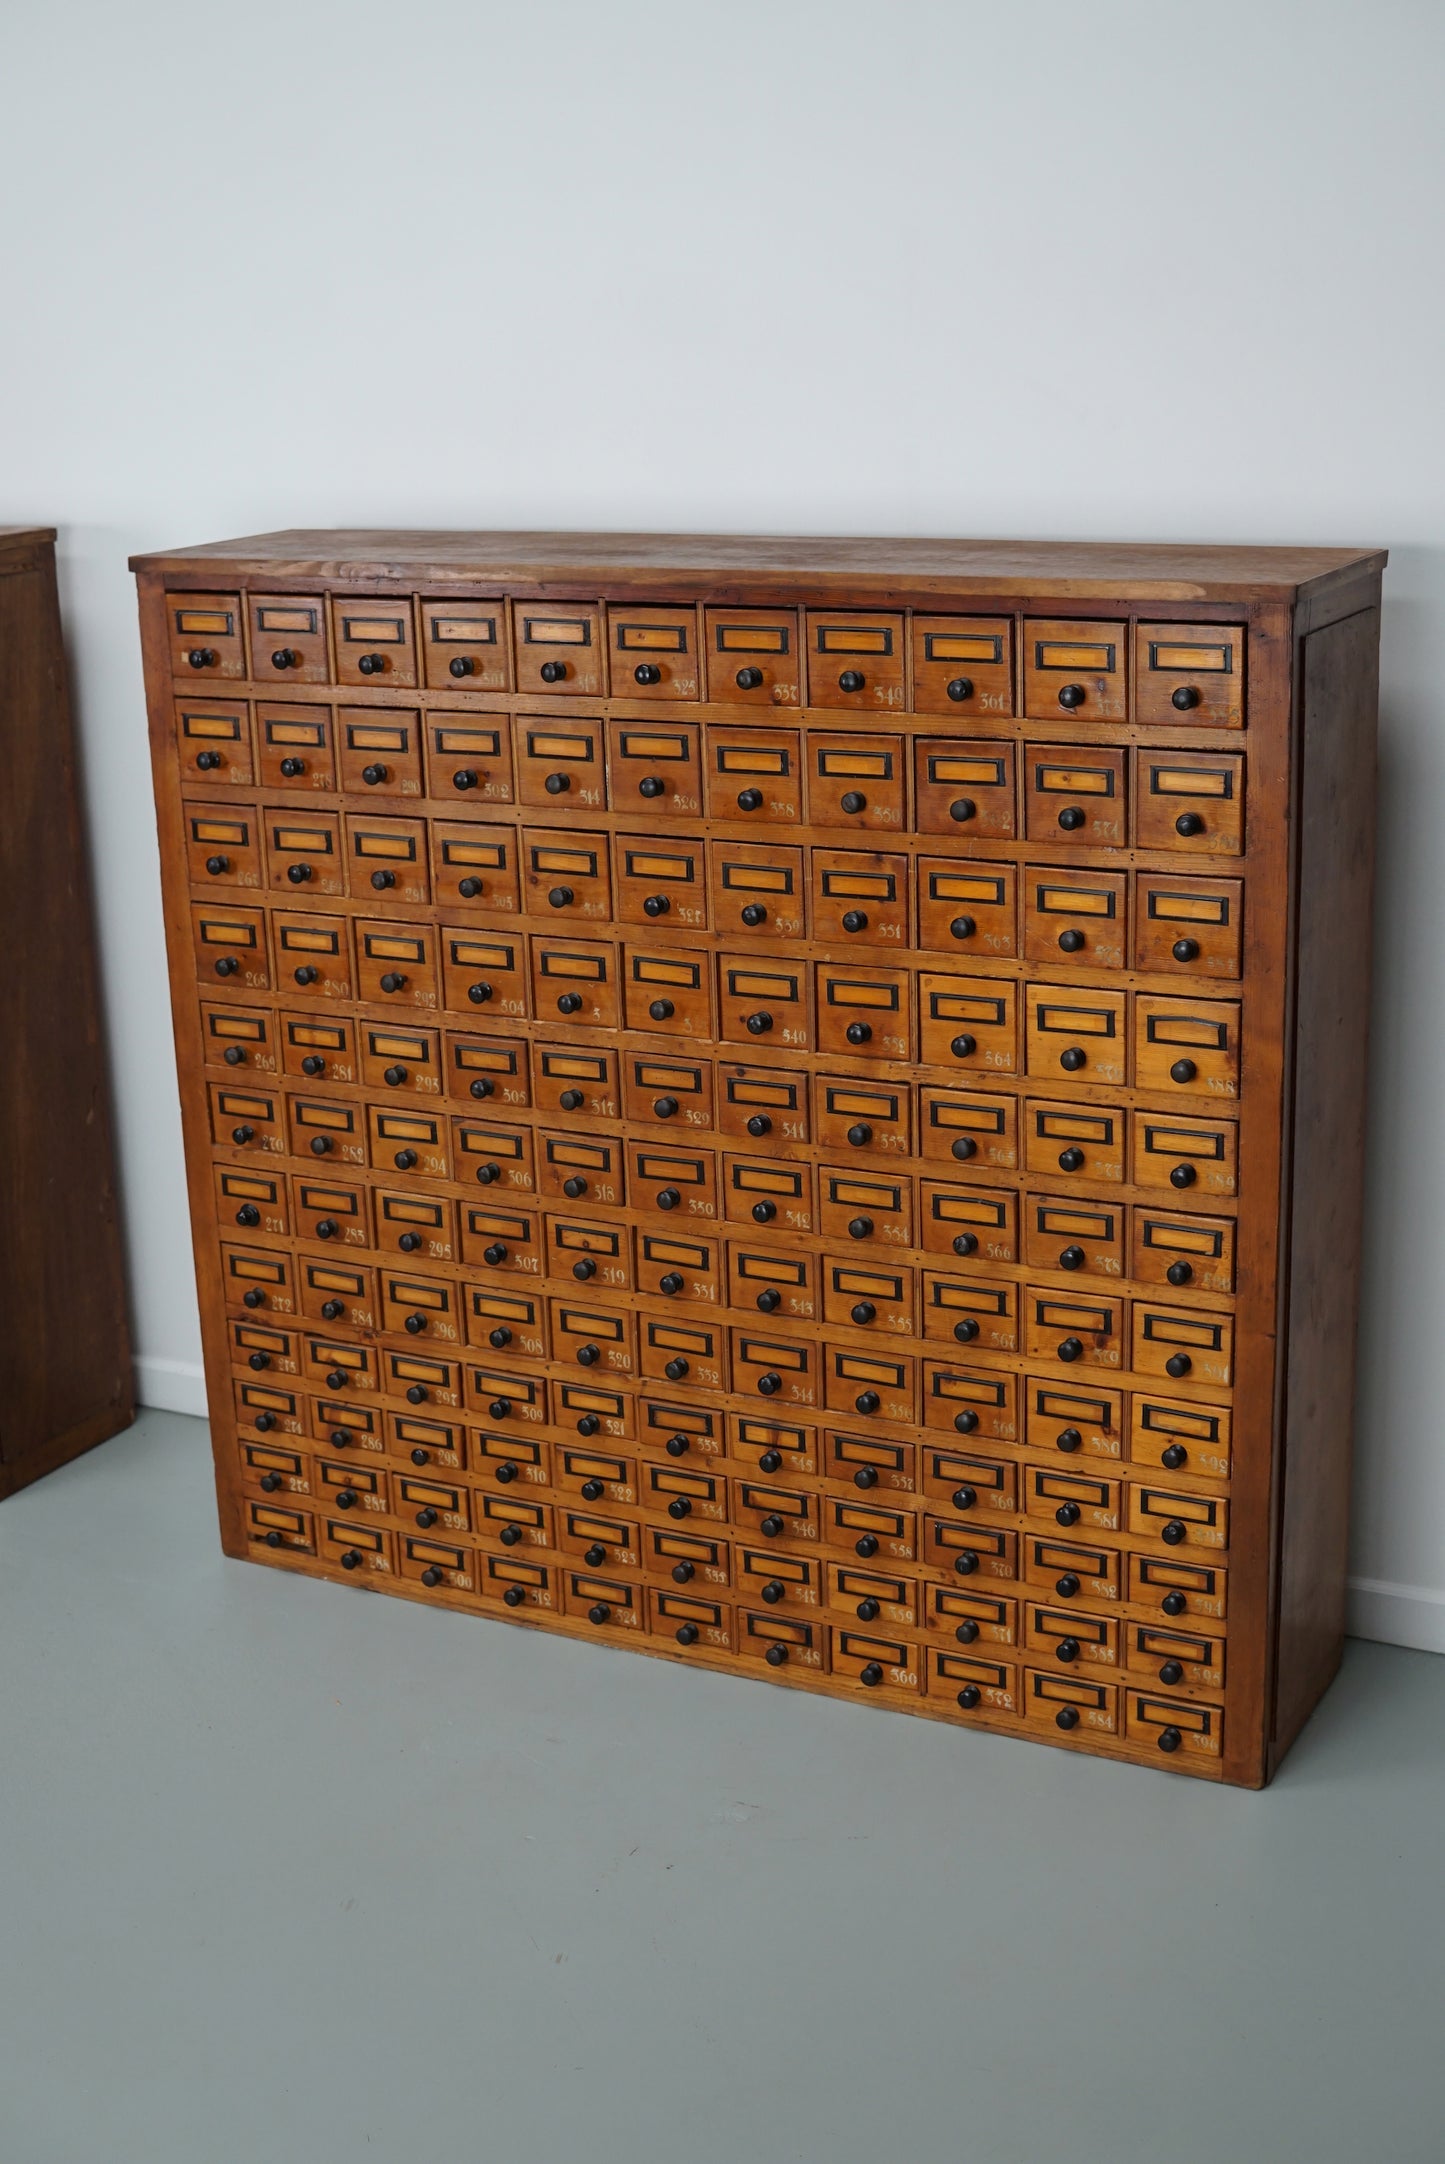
1338, 688
65, 1360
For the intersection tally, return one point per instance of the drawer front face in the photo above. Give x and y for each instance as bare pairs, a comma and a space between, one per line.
753, 776
324, 1047
1192, 802
288, 639
861, 898
754, 657
387, 857
862, 1115
379, 751
758, 890
375, 642
464, 646
468, 760
1190, 673
864, 1012
557, 648
313, 956
1188, 927
575, 979
968, 1022
966, 908
223, 845
1185, 1156
968, 1221
668, 990
655, 768
970, 1131
1085, 1238
1168, 1248
755, 1102
855, 661
661, 883
566, 876
963, 665
763, 1003
1188, 1045
653, 652
476, 865
1075, 796
561, 764
230, 946
1075, 670
213, 741
295, 748
482, 972
207, 636
1086, 1142
1075, 920
965, 790
857, 782
304, 853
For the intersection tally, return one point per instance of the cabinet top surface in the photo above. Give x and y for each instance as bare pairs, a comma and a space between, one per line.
17, 537
1087, 570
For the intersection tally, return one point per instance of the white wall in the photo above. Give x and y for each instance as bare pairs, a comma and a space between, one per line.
1144, 271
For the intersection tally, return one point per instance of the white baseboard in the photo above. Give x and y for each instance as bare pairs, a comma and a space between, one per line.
1401, 1615
172, 1386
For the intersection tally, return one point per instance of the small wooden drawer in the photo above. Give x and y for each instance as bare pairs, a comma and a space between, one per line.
968, 1221
688, 1353
230, 945
766, 1364
970, 1548
871, 1116
469, 758
968, 1022
340, 1364
223, 844
971, 1615
876, 1464
764, 1003
754, 657
1074, 1570
561, 764
330, 1127
565, 876
350, 1545
522, 1584
601, 1339
975, 1683
313, 955
269, 1407
426, 1309
1198, 1156
1187, 1045
416, 1224
1180, 1520
246, 1118
331, 1289
465, 646
213, 737
754, 1102
966, 1308
668, 990
963, 666
1053, 1699
786, 1643
482, 970
577, 979
1067, 1233
387, 857
863, 1295
880, 1530
1175, 1586
422, 1377
1190, 801
690, 1619
337, 1211
494, 1070
1090, 1500
581, 1168
421, 1441
864, 1013
440, 1565
753, 775
685, 1272
966, 790
253, 1199
855, 661
375, 641
860, 896
507, 1398
877, 1663
258, 1280
858, 782
380, 750
408, 1139
590, 1250
967, 1485
1085, 1420
1078, 1329
1075, 795
613, 1606
1076, 1034
1077, 670
1075, 919
967, 1129
661, 882
772, 1281
686, 1555
320, 1046
693, 1495
396, 963
206, 636
783, 1583
967, 908
1189, 673
274, 1469
1186, 1344
504, 1240
681, 1182
426, 1502
1181, 1659
576, 1083
758, 890
672, 1091
868, 1385
1167, 1248
1073, 1638
865, 1206
397, 1058
303, 851
682, 1427
557, 647
599, 1539
295, 747
769, 1191
277, 1525
288, 639
1085, 1141
517, 1464
1188, 927
1188, 1726
970, 1401
775, 1513
1180, 1438
655, 767
265, 1348
764, 1445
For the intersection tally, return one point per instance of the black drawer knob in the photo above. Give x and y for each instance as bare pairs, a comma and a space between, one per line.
750, 800
313, 1064
216, 865
1071, 1159
969, 1696
686, 1634
853, 800
426, 1517
966, 1422
584, 1269
514, 1596
495, 1253
327, 1229
676, 1368
270, 1482
321, 1145
557, 784
770, 1384
248, 1214
682, 1572
771, 1461
420, 1456
227, 966
405, 1160
964, 1046
871, 1674
1170, 1739
489, 1172
570, 1003
759, 1024
345, 1498
851, 680
773, 1591
432, 1576
1071, 818
1189, 824
671, 1283
866, 1477
1072, 1058
416, 1395
1071, 696
860, 1134
1071, 941
677, 1446
1185, 950
679, 1507
772, 1525
865, 1545
1068, 1514
1071, 1348
479, 993
1072, 1258
1185, 697
764, 1212
1067, 1717
298, 874
860, 1228
574, 1187
863, 1311
965, 1243
1171, 1672
859, 1033
647, 672
553, 672
395, 1076
966, 1632
855, 920
867, 1401
599, 1612
1182, 1176
1178, 1365
966, 1330
373, 775
408, 1243
243, 1134
208, 761
964, 1148
1067, 1586
560, 898
351, 1560
461, 665
960, 688
1183, 1070
1173, 1533
465, 777
1069, 1440
382, 880
760, 1124
1180, 1273
506, 1471
755, 914
770, 1299
393, 980
1174, 1604
965, 1563
372, 664
497, 1338
332, 1310
203, 657
594, 1555
1067, 1649
661, 1010
286, 657
776, 1656
656, 905
293, 768
592, 1491
588, 1355
749, 679
868, 1610
965, 1498
571, 1100
668, 1198
962, 808
963, 927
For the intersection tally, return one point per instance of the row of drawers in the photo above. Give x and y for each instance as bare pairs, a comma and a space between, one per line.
985, 1026
881, 785
856, 661
1179, 925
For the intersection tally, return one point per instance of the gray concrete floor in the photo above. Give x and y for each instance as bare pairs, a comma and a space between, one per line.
289, 1873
